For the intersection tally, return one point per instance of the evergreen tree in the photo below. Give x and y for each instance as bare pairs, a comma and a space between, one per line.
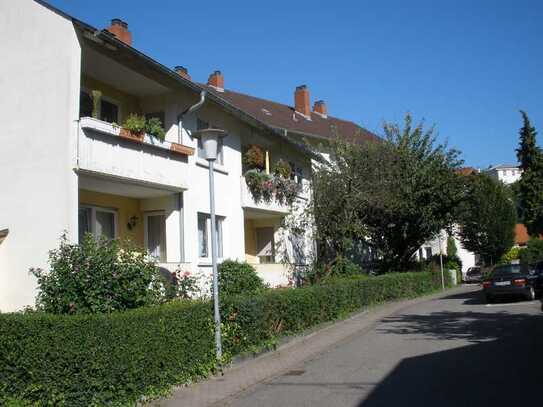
528, 153
530, 186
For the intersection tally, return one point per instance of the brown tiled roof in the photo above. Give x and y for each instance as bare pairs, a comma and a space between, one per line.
521, 234
466, 171
284, 117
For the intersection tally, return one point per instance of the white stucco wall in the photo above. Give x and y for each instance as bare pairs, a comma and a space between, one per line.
39, 79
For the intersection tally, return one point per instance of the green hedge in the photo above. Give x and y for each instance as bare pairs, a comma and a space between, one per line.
115, 359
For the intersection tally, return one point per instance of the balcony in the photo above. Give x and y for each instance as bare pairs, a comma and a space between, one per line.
106, 149
249, 202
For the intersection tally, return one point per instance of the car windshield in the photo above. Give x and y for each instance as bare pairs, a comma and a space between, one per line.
510, 269
474, 270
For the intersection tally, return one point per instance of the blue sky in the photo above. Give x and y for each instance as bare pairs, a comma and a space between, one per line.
465, 66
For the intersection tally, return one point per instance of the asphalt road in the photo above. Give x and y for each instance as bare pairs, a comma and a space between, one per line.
453, 351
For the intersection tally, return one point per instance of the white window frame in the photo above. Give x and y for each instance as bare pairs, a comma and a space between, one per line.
93, 210
146, 232
220, 239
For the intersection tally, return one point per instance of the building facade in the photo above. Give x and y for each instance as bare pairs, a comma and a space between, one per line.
68, 166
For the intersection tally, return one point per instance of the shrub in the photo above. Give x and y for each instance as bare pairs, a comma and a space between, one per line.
95, 276
115, 359
254, 158
103, 359
238, 278
154, 127
533, 252
135, 123
512, 254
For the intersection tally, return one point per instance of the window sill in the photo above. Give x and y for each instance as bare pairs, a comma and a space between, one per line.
217, 167
204, 262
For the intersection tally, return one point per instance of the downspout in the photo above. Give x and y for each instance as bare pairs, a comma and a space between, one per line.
181, 201
191, 109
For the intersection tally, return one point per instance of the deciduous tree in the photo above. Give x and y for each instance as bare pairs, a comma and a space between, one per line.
487, 218
393, 194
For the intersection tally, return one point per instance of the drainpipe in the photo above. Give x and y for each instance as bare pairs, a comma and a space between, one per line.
191, 109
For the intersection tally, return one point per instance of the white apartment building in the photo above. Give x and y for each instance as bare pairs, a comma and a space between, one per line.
68, 166
508, 174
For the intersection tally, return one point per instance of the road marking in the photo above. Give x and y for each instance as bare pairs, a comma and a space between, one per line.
512, 304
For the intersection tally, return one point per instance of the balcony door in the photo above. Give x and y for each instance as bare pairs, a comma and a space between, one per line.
265, 244
155, 235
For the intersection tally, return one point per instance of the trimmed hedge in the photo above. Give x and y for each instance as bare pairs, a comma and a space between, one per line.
115, 359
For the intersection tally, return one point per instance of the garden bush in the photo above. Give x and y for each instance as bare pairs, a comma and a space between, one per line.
116, 358
96, 276
533, 252
238, 278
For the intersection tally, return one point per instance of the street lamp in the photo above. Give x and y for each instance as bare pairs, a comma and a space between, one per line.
210, 142
441, 261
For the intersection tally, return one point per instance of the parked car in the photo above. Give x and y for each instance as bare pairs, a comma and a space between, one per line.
512, 280
473, 275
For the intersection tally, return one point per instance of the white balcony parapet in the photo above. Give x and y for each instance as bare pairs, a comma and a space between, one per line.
248, 201
102, 151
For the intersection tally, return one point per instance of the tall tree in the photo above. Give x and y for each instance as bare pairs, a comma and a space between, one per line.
487, 217
530, 186
393, 195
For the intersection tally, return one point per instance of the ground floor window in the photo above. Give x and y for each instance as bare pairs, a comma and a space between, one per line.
204, 235
155, 235
428, 252
265, 244
100, 222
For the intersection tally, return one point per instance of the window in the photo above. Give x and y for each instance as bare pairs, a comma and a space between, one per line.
109, 112
428, 251
99, 222
204, 236
158, 115
299, 174
203, 242
85, 104
296, 174
200, 125
155, 235
265, 245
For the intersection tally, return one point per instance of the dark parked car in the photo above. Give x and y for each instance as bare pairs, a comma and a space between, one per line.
512, 280
474, 275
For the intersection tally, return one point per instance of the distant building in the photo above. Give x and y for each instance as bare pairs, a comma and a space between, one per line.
508, 174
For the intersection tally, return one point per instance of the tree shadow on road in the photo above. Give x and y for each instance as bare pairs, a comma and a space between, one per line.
502, 366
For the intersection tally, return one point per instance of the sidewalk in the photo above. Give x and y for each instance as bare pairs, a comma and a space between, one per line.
218, 390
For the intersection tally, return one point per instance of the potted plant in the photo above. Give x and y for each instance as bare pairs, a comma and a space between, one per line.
282, 169
260, 185
254, 158
154, 128
133, 128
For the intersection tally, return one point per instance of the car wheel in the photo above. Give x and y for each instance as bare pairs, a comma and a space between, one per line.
531, 294
489, 299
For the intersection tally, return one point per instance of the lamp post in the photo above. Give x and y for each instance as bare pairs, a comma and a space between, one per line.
210, 141
441, 262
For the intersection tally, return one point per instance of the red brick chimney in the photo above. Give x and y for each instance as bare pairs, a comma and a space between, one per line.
181, 70
216, 79
301, 101
319, 107
119, 28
